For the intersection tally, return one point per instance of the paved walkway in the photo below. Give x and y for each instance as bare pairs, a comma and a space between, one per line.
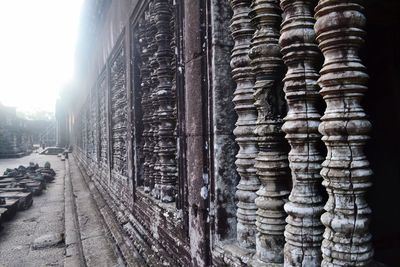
46, 216
97, 246
65, 209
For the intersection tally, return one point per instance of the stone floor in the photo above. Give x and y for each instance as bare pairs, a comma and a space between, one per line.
46, 216
38, 236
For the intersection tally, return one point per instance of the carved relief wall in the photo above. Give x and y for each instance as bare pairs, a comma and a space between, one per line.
153, 90
280, 182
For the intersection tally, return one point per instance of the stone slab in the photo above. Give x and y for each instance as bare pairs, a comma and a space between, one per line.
48, 240
24, 198
12, 206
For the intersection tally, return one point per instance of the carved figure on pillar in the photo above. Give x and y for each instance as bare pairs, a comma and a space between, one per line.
301, 55
346, 171
242, 31
271, 162
166, 144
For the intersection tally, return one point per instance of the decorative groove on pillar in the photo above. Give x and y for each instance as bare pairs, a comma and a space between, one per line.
242, 31
345, 128
166, 164
301, 55
271, 162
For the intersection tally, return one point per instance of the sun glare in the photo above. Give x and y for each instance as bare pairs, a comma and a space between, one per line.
37, 47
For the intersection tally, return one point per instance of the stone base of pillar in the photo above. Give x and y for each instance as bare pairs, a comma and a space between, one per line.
156, 191
296, 256
269, 249
167, 193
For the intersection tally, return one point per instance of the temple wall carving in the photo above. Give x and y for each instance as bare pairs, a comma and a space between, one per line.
240, 143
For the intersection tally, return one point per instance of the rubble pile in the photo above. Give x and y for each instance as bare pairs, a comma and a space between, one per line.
19, 185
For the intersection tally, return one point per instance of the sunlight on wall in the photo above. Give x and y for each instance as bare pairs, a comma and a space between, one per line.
37, 46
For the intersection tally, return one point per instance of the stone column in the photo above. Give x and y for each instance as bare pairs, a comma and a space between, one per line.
145, 84
93, 123
301, 55
102, 94
174, 149
196, 140
345, 128
119, 113
154, 121
242, 31
271, 162
14, 142
165, 113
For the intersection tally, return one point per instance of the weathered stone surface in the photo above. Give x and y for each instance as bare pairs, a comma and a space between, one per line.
196, 141
345, 128
224, 147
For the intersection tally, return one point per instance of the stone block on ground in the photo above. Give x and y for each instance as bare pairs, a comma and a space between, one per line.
12, 206
48, 240
24, 199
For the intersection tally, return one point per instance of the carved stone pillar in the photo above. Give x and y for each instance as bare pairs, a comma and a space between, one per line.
271, 162
301, 55
166, 143
102, 94
119, 114
154, 121
242, 31
94, 123
174, 63
90, 129
346, 172
145, 85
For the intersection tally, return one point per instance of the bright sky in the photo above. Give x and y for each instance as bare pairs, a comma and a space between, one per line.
37, 47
